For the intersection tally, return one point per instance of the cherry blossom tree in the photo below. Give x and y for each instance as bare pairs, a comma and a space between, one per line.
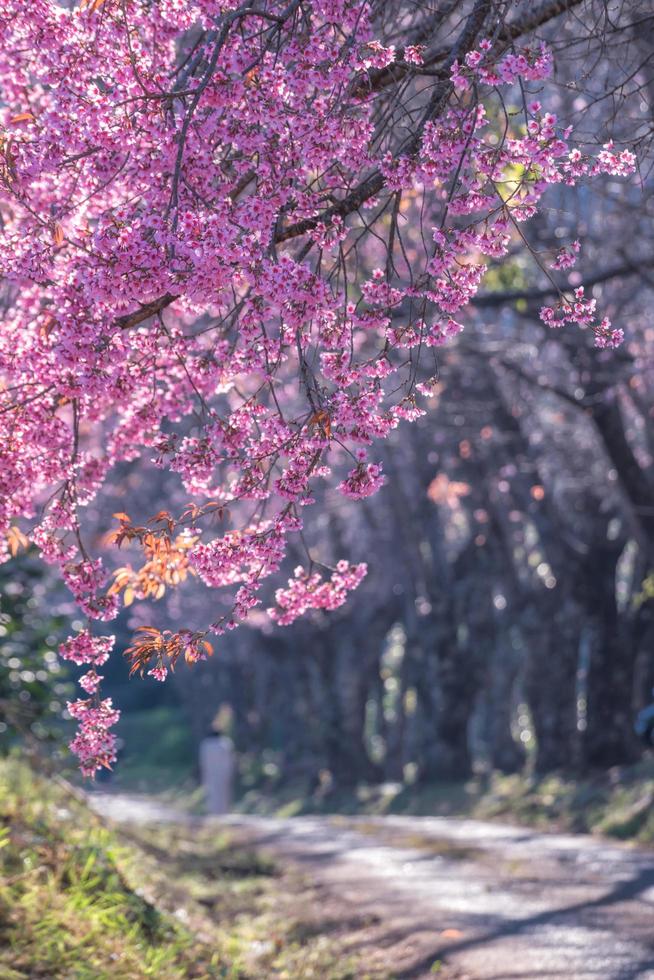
233, 235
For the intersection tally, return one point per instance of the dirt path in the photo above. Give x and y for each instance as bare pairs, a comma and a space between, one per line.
490, 901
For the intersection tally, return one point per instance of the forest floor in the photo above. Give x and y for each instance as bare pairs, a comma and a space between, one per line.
414, 897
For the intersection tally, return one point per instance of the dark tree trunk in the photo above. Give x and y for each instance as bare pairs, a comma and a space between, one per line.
550, 689
608, 739
503, 752
644, 667
446, 688
348, 658
635, 481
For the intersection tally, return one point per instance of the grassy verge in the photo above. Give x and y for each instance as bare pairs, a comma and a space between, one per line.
71, 903
617, 803
269, 921
81, 901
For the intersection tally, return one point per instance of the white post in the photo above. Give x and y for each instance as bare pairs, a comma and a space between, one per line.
217, 770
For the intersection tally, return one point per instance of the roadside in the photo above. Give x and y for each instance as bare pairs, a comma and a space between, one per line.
617, 803
168, 897
414, 897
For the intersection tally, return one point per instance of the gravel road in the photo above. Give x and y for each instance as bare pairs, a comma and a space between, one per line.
491, 901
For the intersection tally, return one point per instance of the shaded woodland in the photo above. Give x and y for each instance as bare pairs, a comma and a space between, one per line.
507, 608
508, 615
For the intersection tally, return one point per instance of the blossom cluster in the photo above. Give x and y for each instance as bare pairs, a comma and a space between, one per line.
582, 311
566, 256
94, 743
309, 591
364, 480
479, 65
86, 649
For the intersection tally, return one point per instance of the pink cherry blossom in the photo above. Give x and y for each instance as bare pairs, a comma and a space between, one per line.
86, 649
94, 744
183, 287
309, 591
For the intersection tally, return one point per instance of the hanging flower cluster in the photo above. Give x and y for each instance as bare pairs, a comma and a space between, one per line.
309, 591
182, 188
94, 744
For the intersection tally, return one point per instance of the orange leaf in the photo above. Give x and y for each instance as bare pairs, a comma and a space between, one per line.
16, 540
122, 517
58, 234
22, 117
47, 325
322, 419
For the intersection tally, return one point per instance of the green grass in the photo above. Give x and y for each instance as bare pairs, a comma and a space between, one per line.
266, 920
618, 803
71, 900
83, 901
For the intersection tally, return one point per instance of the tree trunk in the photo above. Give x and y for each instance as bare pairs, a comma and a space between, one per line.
551, 687
446, 688
503, 752
609, 738
346, 658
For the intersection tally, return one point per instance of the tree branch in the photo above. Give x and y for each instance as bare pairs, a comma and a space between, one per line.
143, 312
380, 78
374, 183
500, 298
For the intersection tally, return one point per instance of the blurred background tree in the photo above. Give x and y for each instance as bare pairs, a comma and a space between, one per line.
34, 684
